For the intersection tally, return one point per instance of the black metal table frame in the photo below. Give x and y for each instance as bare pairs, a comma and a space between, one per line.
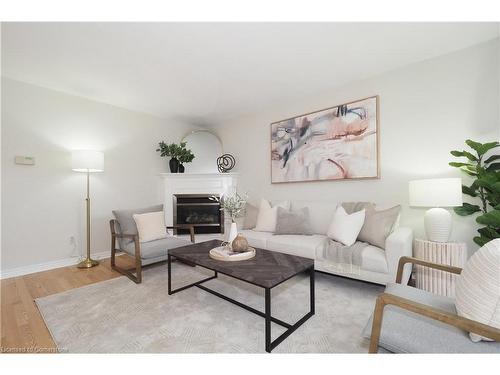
290, 328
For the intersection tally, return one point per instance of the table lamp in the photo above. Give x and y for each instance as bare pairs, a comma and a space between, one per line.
87, 161
436, 193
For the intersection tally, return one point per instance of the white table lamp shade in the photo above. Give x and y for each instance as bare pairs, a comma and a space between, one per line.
87, 161
436, 193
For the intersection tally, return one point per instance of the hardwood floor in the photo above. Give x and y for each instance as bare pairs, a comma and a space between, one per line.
21, 325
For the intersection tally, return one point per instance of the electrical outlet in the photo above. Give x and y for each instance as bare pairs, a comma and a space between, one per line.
74, 247
25, 160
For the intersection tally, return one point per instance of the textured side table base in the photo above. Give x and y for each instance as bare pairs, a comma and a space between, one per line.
435, 281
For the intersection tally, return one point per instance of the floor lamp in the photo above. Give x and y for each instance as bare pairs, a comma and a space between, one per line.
88, 162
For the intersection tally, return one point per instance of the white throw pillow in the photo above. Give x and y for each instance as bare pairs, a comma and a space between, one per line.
266, 219
345, 228
477, 291
150, 226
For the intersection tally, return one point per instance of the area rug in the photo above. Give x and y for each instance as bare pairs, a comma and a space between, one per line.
119, 316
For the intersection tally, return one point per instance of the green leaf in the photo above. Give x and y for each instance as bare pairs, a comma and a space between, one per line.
467, 209
467, 154
481, 148
470, 170
491, 218
458, 165
492, 158
481, 241
493, 167
489, 232
469, 190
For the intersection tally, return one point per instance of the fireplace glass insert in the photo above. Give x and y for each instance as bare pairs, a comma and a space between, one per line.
199, 210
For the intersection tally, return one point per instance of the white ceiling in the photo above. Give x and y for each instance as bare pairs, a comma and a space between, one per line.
205, 72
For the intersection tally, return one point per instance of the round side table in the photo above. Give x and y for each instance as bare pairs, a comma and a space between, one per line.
449, 253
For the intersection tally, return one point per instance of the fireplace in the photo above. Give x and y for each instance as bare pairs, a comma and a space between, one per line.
199, 210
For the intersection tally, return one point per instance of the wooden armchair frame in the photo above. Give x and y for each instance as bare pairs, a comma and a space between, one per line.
137, 278
418, 308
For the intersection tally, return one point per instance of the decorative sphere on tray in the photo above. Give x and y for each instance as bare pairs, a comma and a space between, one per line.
239, 244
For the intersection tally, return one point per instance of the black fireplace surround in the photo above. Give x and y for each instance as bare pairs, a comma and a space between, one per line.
200, 211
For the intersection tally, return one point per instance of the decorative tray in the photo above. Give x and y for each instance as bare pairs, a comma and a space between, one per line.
225, 254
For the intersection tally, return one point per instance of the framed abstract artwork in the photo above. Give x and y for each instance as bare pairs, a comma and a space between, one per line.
336, 143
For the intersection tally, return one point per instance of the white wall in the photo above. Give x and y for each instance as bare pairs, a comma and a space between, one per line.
43, 205
426, 110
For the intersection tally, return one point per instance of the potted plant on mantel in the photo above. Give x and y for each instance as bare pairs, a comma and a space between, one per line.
178, 155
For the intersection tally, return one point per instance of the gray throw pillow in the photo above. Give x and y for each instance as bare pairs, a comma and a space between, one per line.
378, 224
127, 223
293, 222
351, 207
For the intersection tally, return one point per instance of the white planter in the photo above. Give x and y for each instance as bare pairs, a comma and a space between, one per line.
233, 232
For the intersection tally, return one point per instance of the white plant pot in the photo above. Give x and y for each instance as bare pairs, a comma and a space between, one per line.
233, 232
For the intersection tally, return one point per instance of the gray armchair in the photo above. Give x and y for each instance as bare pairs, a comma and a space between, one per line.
124, 237
410, 320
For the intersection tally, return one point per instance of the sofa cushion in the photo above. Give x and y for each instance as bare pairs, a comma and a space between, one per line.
345, 227
373, 259
320, 213
127, 223
150, 226
478, 287
304, 246
249, 221
378, 224
293, 222
255, 238
158, 248
366, 257
407, 332
266, 219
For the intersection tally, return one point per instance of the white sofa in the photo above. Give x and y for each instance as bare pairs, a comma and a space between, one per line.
376, 265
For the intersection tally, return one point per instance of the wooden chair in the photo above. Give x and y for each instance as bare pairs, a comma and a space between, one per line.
156, 251
431, 312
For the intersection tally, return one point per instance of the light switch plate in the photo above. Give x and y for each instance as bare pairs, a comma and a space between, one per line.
25, 160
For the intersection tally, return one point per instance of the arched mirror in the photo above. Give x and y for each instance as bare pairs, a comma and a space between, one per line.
206, 147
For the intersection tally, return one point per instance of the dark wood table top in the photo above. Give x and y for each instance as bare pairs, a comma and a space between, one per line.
267, 269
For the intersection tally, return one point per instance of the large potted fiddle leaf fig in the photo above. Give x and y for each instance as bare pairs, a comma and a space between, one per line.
485, 171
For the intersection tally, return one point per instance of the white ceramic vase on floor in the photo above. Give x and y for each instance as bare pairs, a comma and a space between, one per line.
233, 232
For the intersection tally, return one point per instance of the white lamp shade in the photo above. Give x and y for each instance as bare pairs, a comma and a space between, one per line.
436, 192
87, 161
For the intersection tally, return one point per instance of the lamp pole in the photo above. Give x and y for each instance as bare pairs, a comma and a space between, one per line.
88, 262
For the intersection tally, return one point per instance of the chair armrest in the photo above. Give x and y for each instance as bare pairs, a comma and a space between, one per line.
184, 226
420, 262
429, 312
399, 243
132, 236
112, 226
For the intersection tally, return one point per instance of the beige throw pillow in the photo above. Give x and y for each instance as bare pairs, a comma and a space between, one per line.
250, 218
266, 219
151, 226
477, 290
378, 225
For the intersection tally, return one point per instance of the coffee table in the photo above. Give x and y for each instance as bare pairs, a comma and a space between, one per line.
266, 270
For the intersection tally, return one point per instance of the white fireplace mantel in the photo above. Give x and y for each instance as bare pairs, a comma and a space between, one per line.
194, 183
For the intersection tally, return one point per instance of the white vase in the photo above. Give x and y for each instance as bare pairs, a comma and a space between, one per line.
233, 232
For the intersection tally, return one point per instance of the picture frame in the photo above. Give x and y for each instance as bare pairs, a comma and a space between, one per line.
336, 143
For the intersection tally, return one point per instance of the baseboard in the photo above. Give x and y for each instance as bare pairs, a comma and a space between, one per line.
26, 270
